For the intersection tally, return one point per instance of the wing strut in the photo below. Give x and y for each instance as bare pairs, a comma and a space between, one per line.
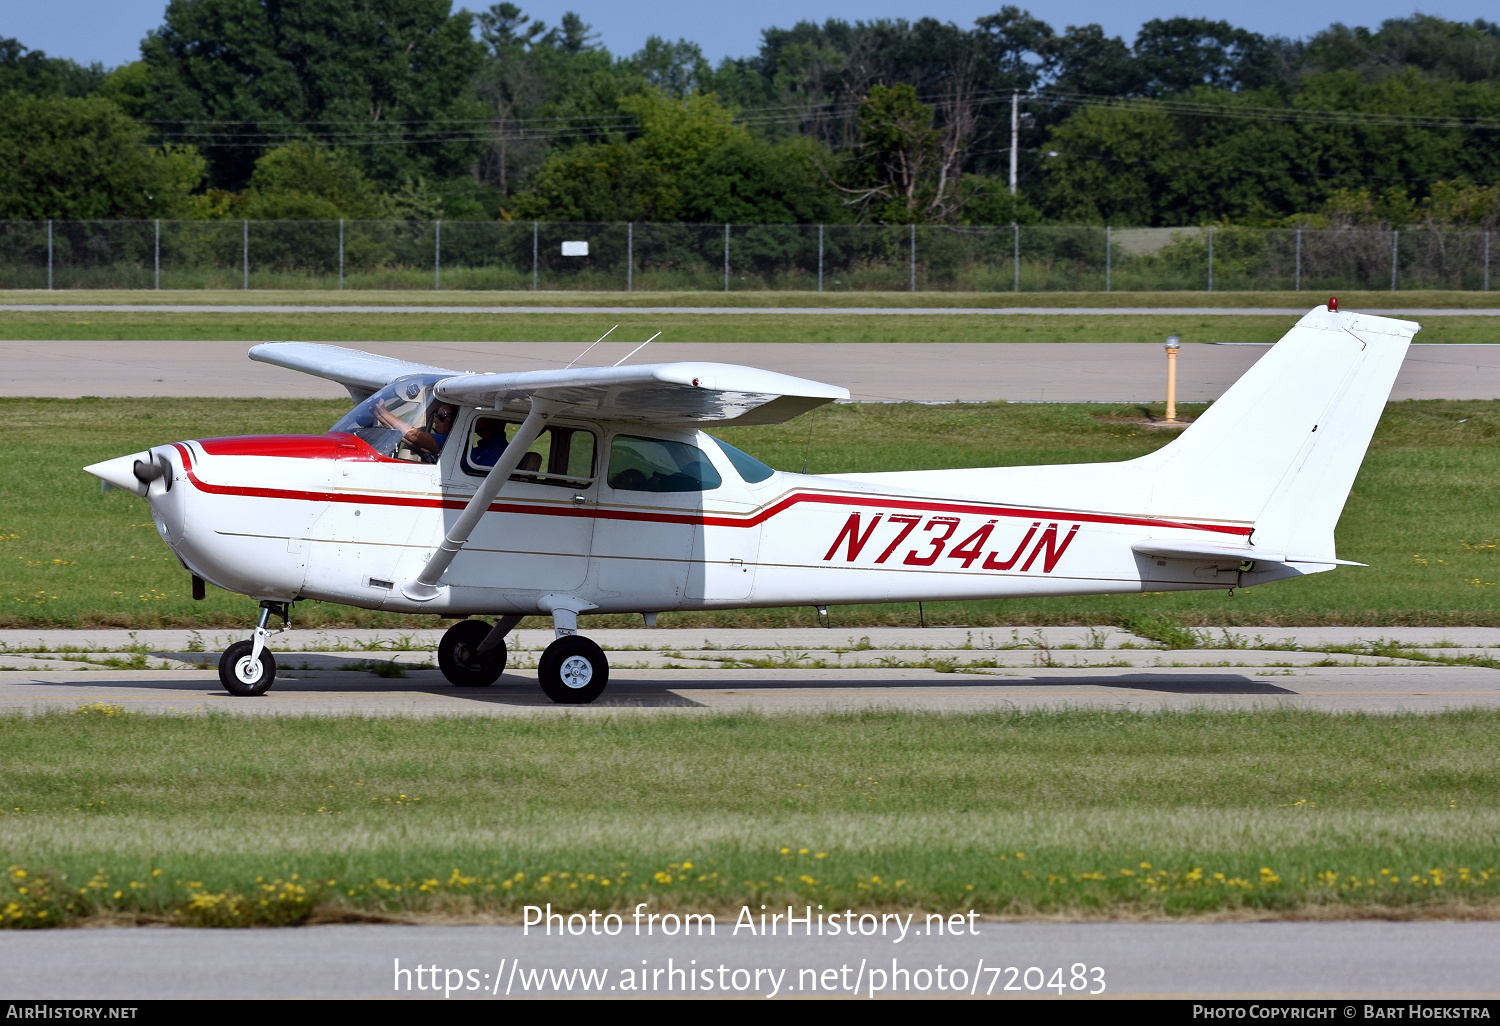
424, 588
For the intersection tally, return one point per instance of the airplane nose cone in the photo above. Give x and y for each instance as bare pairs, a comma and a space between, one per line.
150, 475
120, 473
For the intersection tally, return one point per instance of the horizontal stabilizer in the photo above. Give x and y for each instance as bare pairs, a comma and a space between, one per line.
1179, 549
363, 374
662, 393
1172, 548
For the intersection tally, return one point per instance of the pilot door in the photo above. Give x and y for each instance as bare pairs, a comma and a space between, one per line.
539, 531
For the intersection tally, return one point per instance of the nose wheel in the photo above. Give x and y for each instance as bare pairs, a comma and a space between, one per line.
247, 668
573, 670
245, 672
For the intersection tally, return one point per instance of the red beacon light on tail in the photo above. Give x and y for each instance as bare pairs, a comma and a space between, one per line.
1333, 304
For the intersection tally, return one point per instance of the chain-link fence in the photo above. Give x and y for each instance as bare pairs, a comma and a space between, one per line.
553, 255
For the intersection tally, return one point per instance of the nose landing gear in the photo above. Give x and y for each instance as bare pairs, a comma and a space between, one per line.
247, 668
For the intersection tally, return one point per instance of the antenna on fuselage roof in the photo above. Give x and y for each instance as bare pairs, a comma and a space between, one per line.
637, 349
581, 355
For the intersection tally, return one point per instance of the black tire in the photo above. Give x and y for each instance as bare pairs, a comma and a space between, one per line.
230, 660
460, 660
573, 671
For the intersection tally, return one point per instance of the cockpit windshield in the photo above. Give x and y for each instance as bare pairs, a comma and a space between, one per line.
404, 420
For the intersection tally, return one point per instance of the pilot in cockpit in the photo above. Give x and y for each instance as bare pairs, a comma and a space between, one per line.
428, 443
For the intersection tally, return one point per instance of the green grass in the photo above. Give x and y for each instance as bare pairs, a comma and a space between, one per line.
225, 820
1352, 300
1425, 513
582, 329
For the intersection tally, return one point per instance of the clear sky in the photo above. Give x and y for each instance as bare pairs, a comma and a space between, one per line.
111, 30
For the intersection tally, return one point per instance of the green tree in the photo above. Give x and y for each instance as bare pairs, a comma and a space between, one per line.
639, 180
1016, 45
906, 169
305, 181
676, 69
509, 85
1462, 205
1085, 60
84, 159
1256, 168
689, 161
589, 182
1176, 55
543, 87
127, 87
1438, 48
1111, 165
387, 80
33, 72
749, 180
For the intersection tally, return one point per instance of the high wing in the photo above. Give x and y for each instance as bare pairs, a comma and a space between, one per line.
661, 393
363, 374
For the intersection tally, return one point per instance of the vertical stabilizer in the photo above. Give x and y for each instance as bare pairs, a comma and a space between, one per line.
1281, 448
1278, 452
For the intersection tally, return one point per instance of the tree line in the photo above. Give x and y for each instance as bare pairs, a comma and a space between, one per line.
409, 109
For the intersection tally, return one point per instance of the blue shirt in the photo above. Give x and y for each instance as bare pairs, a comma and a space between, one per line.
488, 452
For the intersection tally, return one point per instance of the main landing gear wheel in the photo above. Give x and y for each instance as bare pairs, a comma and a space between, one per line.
461, 661
244, 676
573, 670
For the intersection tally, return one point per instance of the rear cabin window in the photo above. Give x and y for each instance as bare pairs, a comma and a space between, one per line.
560, 455
747, 466
656, 465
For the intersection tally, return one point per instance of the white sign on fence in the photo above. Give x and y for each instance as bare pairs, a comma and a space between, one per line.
575, 249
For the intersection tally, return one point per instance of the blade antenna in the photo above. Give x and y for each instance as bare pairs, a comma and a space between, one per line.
638, 348
581, 355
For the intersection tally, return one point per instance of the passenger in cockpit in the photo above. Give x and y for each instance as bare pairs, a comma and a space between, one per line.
489, 444
428, 442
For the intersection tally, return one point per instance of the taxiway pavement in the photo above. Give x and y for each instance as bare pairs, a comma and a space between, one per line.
797, 311
1167, 960
775, 671
873, 372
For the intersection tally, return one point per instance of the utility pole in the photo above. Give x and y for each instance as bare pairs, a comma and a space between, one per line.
1015, 136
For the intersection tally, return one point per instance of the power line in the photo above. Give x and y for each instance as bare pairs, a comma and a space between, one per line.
1193, 108
257, 134
1097, 158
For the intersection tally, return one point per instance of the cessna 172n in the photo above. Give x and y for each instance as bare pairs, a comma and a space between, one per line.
594, 490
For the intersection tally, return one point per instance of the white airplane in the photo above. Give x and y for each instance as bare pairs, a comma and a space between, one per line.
595, 490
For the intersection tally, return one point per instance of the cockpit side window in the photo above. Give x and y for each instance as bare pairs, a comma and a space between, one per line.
561, 455
657, 465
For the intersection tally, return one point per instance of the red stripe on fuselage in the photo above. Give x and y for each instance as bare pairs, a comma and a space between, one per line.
759, 517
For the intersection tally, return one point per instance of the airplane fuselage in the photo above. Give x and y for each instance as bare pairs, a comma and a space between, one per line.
325, 517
